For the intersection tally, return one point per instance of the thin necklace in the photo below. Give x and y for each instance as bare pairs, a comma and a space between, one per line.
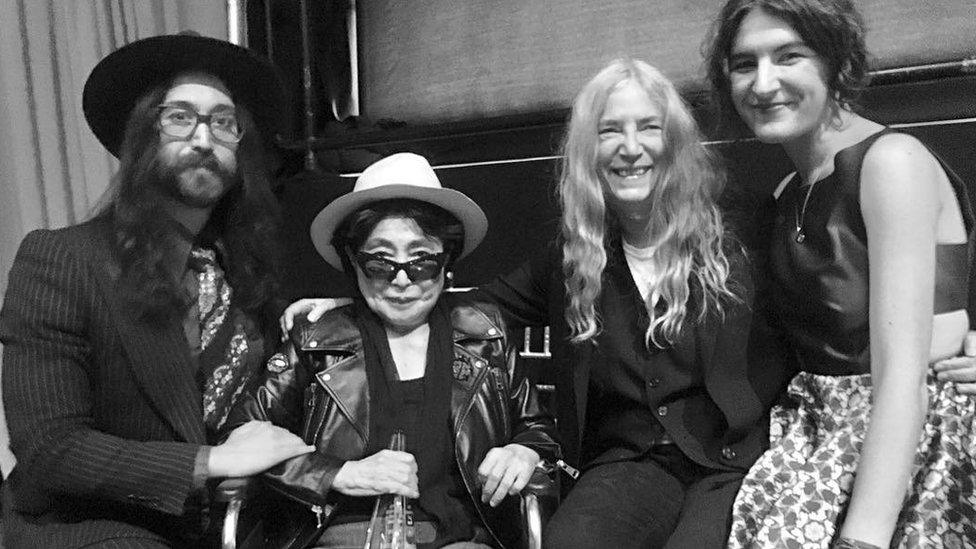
798, 215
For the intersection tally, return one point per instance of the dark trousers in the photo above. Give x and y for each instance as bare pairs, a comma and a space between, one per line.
662, 500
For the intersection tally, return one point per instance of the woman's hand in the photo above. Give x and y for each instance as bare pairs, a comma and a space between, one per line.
505, 471
312, 307
385, 472
960, 370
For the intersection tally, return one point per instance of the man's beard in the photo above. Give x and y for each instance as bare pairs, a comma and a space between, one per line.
194, 180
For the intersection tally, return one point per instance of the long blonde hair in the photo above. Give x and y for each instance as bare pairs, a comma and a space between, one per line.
684, 220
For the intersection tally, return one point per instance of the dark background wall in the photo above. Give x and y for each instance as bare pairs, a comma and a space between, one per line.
437, 61
518, 196
491, 116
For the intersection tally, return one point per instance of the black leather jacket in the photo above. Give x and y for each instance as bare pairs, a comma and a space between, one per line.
317, 388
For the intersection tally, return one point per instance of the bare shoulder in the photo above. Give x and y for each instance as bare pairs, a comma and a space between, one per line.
899, 155
899, 178
900, 162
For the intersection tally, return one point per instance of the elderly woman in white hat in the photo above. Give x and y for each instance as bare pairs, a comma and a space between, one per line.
405, 357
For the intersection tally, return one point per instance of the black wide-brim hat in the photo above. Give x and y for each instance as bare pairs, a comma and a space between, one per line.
120, 79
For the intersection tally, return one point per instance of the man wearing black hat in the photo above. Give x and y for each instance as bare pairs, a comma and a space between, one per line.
128, 337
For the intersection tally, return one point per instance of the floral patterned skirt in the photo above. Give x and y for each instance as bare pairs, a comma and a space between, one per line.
794, 493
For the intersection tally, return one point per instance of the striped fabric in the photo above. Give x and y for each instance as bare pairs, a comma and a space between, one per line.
105, 418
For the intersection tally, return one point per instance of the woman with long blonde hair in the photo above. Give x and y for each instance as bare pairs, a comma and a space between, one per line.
675, 215
663, 373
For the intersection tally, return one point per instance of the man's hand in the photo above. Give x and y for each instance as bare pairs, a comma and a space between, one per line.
505, 471
252, 448
961, 370
312, 307
385, 472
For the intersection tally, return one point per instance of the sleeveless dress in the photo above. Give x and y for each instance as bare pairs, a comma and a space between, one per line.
796, 494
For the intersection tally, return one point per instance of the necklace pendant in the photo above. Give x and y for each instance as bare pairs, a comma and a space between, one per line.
800, 237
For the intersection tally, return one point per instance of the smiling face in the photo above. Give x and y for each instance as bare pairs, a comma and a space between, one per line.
778, 83
200, 168
630, 143
401, 303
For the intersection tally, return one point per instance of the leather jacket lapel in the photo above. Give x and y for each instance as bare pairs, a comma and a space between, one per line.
345, 381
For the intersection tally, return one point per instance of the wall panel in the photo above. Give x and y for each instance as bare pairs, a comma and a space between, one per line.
434, 61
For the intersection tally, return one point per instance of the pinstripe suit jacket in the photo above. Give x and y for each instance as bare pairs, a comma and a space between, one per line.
104, 414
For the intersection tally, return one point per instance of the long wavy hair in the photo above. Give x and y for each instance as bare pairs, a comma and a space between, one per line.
245, 221
684, 221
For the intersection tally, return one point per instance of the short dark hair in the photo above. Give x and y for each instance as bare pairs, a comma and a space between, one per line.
832, 28
434, 222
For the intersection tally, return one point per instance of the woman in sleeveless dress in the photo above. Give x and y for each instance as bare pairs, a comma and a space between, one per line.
869, 262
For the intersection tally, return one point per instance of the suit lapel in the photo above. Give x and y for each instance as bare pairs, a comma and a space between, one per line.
159, 357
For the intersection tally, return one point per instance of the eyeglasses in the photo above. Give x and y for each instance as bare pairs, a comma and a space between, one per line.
376, 267
181, 121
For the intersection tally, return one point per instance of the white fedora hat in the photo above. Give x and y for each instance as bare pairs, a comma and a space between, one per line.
401, 175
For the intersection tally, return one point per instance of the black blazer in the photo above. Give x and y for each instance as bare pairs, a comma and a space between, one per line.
104, 414
745, 364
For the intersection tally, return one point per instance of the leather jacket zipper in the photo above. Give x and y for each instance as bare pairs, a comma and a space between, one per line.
499, 382
568, 469
308, 435
501, 394
321, 512
318, 510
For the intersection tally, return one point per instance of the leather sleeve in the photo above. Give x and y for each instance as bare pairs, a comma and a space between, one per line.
280, 399
533, 426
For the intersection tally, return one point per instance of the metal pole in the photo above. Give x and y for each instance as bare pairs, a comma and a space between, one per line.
268, 31
237, 22
916, 73
307, 88
352, 108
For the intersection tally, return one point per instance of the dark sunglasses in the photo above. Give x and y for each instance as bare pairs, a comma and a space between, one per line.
376, 267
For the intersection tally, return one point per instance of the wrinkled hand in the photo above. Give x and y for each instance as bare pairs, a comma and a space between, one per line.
505, 471
252, 448
312, 307
961, 370
385, 472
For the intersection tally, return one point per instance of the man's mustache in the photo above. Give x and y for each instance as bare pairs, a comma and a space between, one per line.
197, 160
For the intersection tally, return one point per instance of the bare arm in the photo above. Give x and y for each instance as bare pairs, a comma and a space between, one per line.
900, 205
